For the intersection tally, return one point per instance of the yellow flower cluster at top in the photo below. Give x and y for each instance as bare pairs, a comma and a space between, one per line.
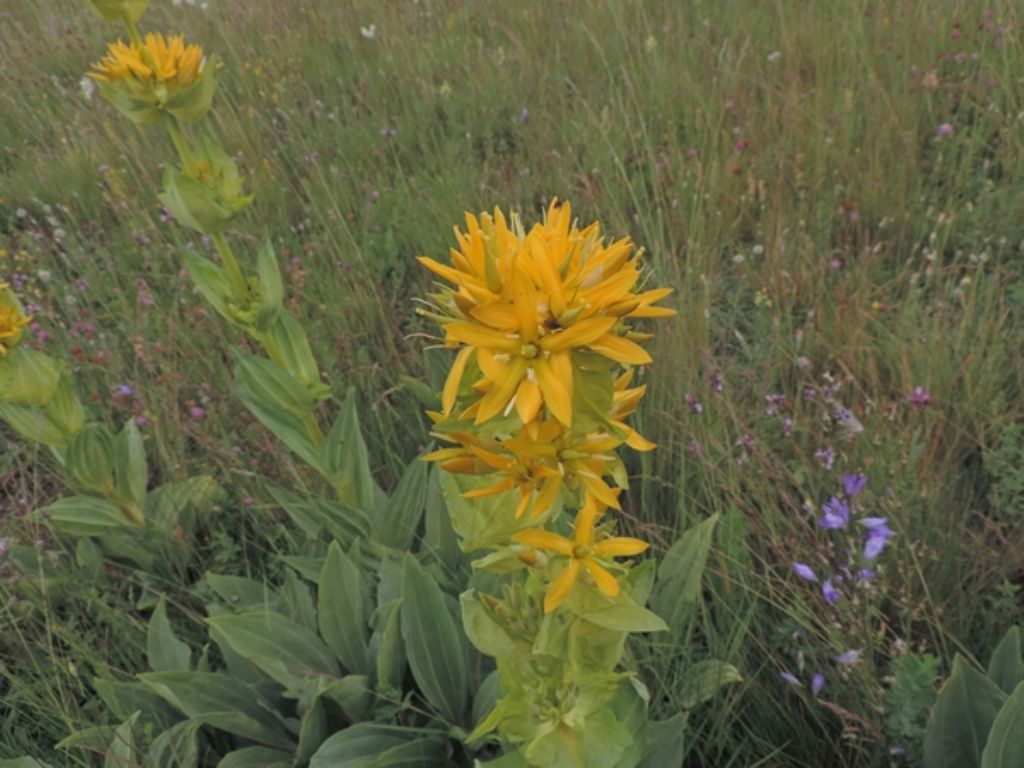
155, 60
12, 320
541, 319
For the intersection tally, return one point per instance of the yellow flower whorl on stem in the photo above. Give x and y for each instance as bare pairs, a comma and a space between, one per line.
583, 553
522, 302
157, 75
12, 320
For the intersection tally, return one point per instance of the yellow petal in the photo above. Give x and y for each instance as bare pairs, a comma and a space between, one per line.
451, 384
524, 502
525, 302
583, 529
490, 490
621, 546
448, 273
491, 459
599, 488
480, 336
500, 393
635, 440
547, 495
562, 586
535, 537
528, 400
579, 334
493, 368
498, 315
620, 350
554, 377
604, 580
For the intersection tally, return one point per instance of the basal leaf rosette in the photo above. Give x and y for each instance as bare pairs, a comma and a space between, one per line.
157, 76
521, 305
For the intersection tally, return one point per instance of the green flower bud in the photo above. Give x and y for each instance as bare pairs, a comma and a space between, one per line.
129, 11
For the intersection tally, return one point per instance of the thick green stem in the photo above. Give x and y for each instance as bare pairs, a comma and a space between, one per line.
133, 32
188, 160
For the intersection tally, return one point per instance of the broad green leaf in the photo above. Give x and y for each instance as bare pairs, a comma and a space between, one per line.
32, 424
284, 425
212, 282
220, 701
271, 288
297, 356
352, 693
124, 698
592, 390
1005, 667
486, 697
396, 526
314, 516
629, 706
390, 656
165, 651
961, 718
177, 747
122, 752
432, 642
240, 592
619, 613
296, 601
1005, 745
286, 651
481, 628
90, 458
257, 757
346, 461
64, 410
599, 743
130, 471
439, 538
269, 385
664, 742
85, 516
308, 568
95, 739
341, 611
703, 680
680, 573
312, 731
367, 745
182, 503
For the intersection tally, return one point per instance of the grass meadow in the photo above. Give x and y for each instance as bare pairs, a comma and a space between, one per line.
835, 191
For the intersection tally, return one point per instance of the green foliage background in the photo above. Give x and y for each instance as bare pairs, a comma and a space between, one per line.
783, 165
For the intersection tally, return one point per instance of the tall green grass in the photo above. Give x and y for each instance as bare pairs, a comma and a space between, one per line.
784, 167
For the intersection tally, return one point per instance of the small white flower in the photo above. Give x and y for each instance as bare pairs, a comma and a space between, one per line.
774, 56
369, 32
87, 87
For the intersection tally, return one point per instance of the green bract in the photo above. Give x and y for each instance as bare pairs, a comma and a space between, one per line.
206, 195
